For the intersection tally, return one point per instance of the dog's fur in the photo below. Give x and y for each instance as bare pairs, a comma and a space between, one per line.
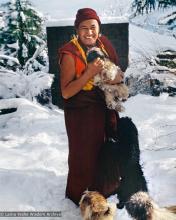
114, 94
120, 159
94, 206
122, 155
141, 206
133, 179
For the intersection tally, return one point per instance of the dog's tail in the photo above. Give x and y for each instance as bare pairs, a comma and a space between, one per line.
141, 206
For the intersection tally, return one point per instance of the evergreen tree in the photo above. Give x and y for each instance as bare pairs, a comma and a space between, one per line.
145, 6
166, 3
22, 37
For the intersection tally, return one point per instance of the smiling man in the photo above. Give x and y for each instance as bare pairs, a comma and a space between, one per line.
86, 114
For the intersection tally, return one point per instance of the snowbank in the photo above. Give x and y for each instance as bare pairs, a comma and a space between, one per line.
34, 151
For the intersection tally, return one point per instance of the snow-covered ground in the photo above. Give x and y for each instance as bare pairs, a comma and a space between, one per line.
33, 140
155, 21
34, 149
144, 45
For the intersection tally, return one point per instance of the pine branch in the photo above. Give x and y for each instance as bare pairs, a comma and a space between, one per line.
15, 60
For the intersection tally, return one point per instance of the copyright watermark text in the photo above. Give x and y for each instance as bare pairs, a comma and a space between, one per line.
31, 214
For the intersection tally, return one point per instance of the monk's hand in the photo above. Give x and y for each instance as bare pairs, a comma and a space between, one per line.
95, 67
118, 79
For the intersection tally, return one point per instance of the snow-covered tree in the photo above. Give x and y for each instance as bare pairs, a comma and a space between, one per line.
22, 37
146, 6
166, 3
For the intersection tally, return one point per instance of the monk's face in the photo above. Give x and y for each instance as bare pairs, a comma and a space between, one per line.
88, 31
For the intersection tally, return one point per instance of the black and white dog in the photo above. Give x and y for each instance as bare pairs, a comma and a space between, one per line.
121, 156
141, 206
120, 159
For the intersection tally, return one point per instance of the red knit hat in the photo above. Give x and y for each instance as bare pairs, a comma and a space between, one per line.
86, 14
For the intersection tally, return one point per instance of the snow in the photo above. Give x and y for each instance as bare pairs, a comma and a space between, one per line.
23, 16
13, 45
148, 43
15, 60
1, 22
18, 84
166, 19
34, 150
152, 21
33, 140
24, 51
14, 15
144, 45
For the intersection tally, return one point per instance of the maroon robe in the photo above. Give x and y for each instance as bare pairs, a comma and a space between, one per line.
86, 117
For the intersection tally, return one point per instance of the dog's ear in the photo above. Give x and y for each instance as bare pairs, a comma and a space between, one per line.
107, 211
85, 199
126, 128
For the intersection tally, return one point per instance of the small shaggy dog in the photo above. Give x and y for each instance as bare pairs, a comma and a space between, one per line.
114, 94
119, 164
142, 207
94, 206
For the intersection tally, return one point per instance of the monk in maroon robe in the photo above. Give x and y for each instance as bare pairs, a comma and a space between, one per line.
87, 119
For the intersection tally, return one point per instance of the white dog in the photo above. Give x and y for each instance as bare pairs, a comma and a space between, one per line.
114, 94
94, 206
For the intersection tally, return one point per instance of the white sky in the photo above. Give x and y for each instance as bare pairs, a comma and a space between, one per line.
68, 8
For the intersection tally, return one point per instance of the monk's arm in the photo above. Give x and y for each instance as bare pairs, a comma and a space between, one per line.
70, 86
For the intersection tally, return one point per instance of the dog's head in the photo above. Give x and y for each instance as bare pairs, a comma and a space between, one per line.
110, 70
126, 131
140, 206
94, 206
94, 53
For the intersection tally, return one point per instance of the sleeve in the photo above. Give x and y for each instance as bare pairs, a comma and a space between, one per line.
61, 53
65, 49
